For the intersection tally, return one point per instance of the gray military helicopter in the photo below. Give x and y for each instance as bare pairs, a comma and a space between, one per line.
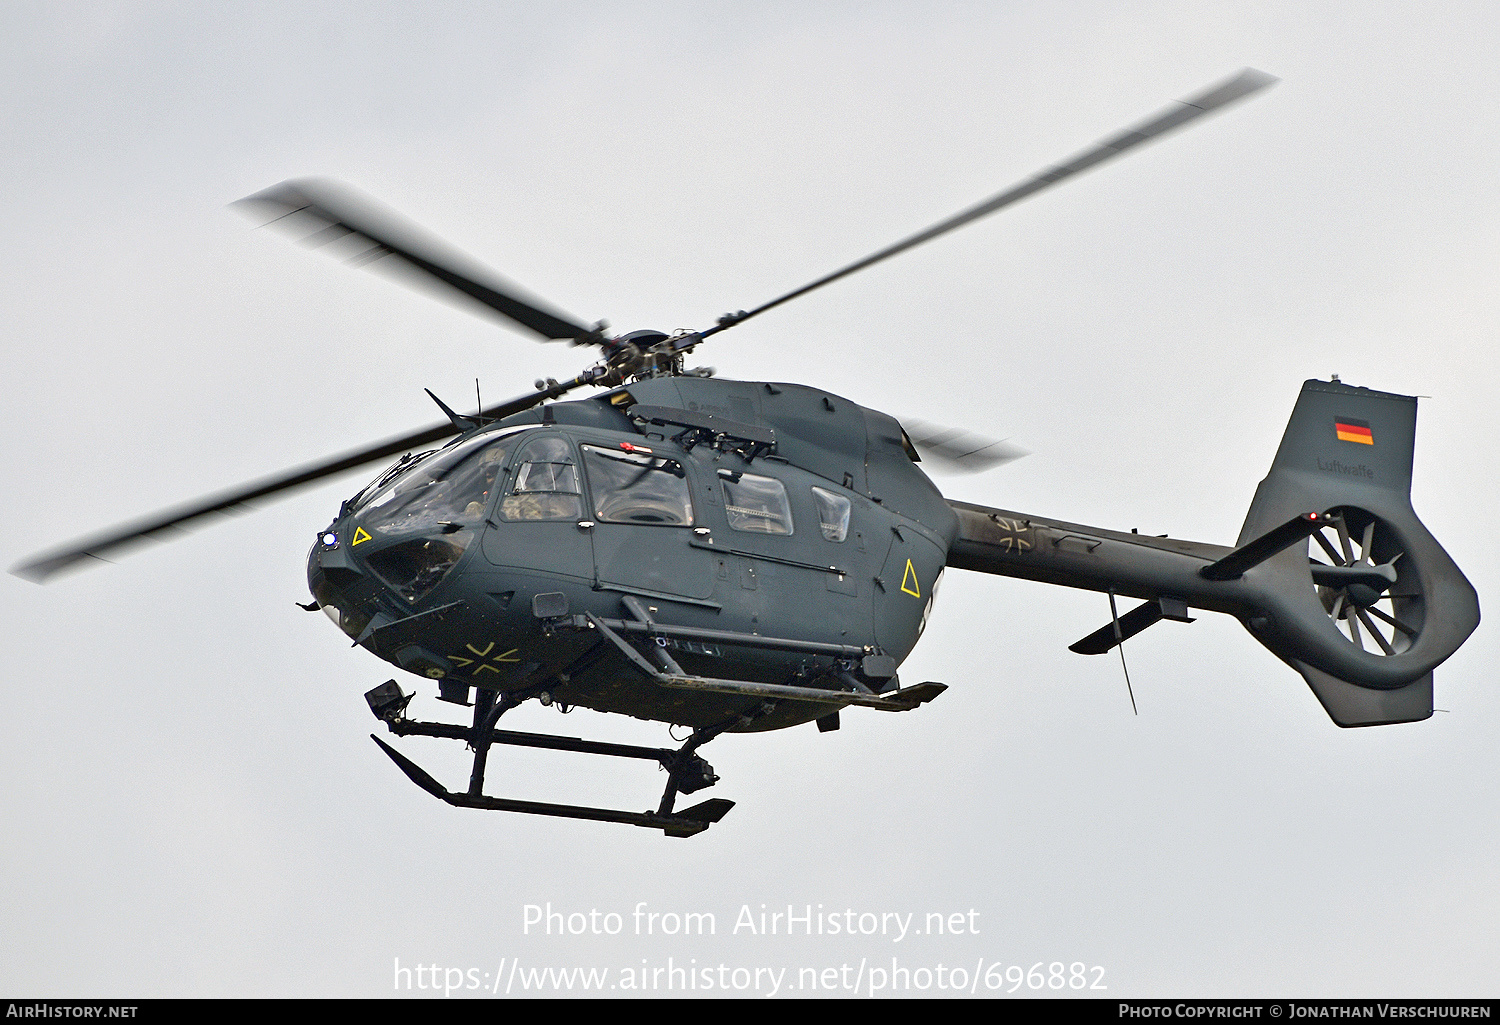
744, 556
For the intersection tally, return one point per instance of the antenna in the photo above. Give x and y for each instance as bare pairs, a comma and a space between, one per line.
1120, 643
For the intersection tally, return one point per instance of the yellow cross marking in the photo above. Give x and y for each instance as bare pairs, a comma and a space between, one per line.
508, 656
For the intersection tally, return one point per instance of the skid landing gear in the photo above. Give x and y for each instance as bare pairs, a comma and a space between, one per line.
686, 771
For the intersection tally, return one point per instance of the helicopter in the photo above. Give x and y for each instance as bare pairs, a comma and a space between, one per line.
747, 556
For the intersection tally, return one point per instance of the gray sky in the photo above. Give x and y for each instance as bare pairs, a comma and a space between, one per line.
192, 804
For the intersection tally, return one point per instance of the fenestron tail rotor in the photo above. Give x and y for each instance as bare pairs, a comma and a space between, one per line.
1374, 600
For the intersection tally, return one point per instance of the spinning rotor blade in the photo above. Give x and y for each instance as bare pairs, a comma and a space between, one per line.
319, 212
953, 448
1209, 100
179, 518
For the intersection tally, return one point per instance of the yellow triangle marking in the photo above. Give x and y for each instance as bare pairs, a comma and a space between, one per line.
909, 583
359, 536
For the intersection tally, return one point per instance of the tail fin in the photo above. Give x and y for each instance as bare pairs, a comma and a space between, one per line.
1374, 603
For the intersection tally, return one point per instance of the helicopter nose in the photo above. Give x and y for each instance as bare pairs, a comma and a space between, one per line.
339, 585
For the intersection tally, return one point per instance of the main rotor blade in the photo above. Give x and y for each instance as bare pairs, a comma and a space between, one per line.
318, 212
1209, 100
120, 539
954, 448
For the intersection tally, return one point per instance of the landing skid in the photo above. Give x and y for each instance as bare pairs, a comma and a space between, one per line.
686, 772
684, 823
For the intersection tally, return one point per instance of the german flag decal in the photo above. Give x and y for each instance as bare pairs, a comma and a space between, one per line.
1349, 429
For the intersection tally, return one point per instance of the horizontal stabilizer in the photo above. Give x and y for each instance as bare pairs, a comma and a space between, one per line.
1130, 624
1273, 542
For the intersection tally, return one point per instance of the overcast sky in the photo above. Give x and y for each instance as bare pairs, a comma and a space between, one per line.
192, 804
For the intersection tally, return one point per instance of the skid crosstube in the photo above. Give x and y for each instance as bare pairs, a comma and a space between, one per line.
687, 822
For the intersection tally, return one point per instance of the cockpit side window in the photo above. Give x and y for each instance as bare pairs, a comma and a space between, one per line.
546, 483
631, 487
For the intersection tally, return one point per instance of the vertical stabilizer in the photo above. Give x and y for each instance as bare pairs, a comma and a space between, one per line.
1373, 603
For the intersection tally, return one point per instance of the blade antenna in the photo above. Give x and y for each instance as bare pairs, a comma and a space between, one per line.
1120, 644
1207, 101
